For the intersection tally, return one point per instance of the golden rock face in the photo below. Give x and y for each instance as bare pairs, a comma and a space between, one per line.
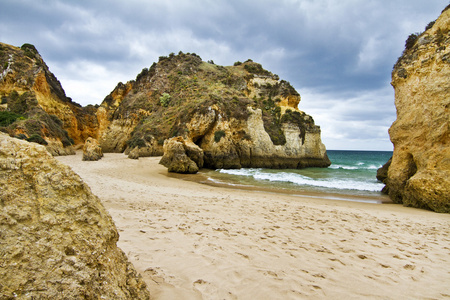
419, 175
56, 232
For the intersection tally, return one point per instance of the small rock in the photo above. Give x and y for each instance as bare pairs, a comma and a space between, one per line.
92, 150
134, 154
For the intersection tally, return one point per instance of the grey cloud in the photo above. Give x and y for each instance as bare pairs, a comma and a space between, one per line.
338, 54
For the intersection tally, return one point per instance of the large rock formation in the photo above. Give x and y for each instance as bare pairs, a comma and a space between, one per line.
419, 174
36, 105
240, 116
182, 156
56, 239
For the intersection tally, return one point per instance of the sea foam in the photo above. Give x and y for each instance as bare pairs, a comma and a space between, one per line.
301, 180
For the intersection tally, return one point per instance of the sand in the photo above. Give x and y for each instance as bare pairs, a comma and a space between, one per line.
194, 241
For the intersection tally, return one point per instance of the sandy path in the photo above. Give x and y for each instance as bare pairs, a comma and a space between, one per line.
193, 241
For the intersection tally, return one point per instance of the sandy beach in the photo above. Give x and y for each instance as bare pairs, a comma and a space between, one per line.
194, 241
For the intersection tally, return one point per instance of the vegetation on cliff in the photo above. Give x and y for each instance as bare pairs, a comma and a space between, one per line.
218, 108
417, 39
181, 95
25, 119
179, 86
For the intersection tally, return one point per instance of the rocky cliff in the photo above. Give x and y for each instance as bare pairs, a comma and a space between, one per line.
56, 239
419, 174
240, 116
34, 105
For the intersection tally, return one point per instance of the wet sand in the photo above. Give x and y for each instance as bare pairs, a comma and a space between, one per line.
195, 241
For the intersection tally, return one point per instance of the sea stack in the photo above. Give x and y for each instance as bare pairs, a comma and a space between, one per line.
419, 175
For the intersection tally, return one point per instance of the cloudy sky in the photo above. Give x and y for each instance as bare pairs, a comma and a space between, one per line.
337, 54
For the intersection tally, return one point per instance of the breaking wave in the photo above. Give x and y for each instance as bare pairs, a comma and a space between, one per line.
302, 180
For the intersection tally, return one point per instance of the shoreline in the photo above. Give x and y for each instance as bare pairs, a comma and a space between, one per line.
203, 179
195, 241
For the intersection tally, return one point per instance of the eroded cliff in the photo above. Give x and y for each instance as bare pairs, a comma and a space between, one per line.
419, 174
36, 105
240, 116
57, 240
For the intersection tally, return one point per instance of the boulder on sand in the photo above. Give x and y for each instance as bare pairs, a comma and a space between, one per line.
92, 150
182, 156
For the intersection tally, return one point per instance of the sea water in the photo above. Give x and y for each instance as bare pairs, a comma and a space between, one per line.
351, 176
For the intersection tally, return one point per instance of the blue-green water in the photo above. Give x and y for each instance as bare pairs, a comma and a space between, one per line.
352, 174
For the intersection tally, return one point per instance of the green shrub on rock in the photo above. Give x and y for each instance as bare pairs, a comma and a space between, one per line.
411, 40
29, 50
36, 138
164, 99
7, 118
218, 135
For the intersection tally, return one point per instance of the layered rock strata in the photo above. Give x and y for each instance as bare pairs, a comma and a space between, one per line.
419, 174
57, 240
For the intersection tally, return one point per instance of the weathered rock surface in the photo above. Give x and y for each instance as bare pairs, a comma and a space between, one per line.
240, 116
57, 241
56, 148
239, 143
92, 150
181, 156
419, 174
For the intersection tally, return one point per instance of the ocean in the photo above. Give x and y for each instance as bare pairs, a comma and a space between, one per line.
351, 177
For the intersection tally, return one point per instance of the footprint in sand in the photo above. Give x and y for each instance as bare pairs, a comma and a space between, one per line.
206, 288
409, 267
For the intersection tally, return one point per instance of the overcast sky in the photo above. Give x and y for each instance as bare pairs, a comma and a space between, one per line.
338, 54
